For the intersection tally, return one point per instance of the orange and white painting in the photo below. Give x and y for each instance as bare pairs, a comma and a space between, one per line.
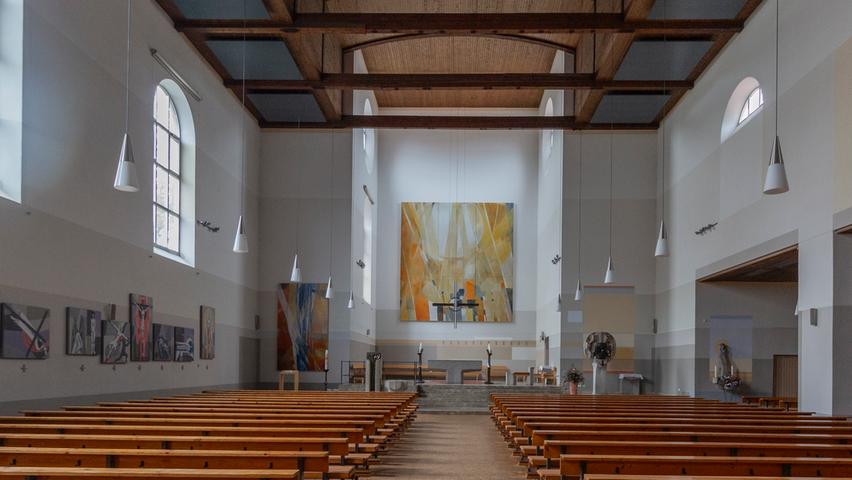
457, 249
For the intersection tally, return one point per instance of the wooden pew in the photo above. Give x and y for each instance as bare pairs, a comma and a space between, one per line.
137, 458
603, 476
554, 449
78, 473
573, 466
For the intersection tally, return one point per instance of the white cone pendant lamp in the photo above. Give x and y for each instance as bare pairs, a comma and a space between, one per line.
559, 302
351, 303
776, 175
662, 249
609, 277
578, 293
241, 240
296, 274
329, 290
126, 179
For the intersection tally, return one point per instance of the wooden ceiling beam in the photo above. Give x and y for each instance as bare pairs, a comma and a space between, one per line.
454, 123
499, 36
310, 52
609, 59
461, 81
491, 23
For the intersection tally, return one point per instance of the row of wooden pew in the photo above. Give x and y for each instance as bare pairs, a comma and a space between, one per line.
639, 437
239, 434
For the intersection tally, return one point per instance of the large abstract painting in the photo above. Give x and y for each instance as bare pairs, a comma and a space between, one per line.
25, 331
141, 325
302, 315
164, 342
208, 333
184, 344
81, 330
456, 253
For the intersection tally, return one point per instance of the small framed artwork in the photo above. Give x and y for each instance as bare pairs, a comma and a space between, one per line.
164, 342
24, 332
82, 331
184, 344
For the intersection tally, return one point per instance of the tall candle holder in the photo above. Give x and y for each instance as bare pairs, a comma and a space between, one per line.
325, 380
488, 367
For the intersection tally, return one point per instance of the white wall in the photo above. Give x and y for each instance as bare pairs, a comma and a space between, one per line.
549, 226
75, 241
297, 171
364, 172
710, 182
634, 158
456, 166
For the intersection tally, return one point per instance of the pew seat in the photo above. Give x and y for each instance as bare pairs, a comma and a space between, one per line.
80, 473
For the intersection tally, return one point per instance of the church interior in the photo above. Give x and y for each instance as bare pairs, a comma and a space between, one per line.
418, 239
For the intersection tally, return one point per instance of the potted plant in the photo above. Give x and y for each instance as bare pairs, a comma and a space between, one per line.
573, 378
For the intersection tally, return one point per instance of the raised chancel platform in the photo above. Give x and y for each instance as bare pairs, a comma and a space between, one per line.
470, 398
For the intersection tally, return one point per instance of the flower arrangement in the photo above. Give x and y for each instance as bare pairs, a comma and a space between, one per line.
573, 376
729, 383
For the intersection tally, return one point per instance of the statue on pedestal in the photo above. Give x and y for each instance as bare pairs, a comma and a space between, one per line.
600, 348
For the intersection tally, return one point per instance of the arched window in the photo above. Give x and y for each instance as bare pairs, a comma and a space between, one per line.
549, 135
368, 140
745, 102
367, 271
174, 175
752, 104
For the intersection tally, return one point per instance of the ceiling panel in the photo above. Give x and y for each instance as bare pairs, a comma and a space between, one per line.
658, 60
293, 107
703, 9
629, 108
221, 9
265, 59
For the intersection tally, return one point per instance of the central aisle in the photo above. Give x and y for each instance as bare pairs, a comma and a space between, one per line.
449, 446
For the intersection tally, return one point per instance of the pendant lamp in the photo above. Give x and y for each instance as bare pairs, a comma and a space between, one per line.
241, 240
609, 277
351, 304
578, 292
776, 174
126, 179
662, 248
296, 273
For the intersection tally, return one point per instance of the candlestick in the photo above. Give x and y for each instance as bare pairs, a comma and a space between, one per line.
715, 372
489, 348
325, 365
420, 348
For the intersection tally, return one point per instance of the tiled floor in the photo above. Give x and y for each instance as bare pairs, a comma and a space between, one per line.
446, 446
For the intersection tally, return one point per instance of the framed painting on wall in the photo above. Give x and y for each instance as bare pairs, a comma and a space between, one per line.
82, 331
24, 331
302, 317
184, 344
115, 338
164, 342
141, 323
207, 336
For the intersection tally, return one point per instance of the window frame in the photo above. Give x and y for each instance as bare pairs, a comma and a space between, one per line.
746, 107
170, 173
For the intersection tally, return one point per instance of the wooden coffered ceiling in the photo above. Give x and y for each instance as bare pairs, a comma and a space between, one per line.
633, 59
